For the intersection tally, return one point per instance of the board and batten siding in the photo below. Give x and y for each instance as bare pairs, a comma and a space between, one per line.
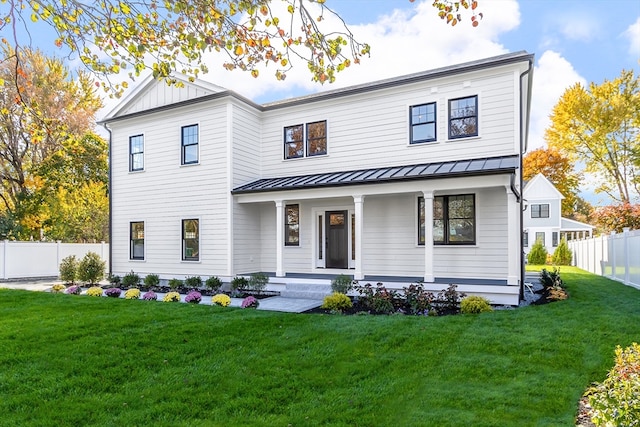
167, 192
371, 129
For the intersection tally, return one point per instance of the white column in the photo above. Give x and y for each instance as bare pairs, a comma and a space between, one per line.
612, 240
279, 238
513, 238
625, 237
359, 212
428, 237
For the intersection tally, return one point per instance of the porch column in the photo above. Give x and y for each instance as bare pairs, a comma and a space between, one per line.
358, 274
279, 238
513, 238
428, 237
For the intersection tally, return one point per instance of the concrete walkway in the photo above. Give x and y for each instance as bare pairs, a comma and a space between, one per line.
288, 305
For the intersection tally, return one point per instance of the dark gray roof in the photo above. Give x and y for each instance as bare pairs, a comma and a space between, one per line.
484, 166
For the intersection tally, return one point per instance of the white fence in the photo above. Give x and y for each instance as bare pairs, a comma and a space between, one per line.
616, 256
24, 260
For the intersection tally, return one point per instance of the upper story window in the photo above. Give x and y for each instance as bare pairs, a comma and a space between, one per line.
136, 153
190, 240
423, 123
454, 220
298, 143
292, 225
463, 117
189, 144
136, 234
540, 211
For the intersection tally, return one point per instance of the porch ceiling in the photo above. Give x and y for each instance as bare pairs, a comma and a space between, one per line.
458, 168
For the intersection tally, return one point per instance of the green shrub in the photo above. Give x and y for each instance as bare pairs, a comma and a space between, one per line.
417, 300
257, 282
551, 279
69, 269
91, 268
616, 401
342, 284
538, 254
193, 282
152, 280
562, 255
379, 300
475, 304
213, 283
175, 283
115, 280
337, 302
131, 280
239, 282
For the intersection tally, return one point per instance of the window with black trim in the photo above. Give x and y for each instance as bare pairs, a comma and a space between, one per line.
463, 117
305, 141
540, 211
525, 239
136, 237
423, 123
292, 225
454, 220
190, 240
554, 238
136, 153
540, 237
189, 144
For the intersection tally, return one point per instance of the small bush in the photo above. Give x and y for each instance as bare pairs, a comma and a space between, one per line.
553, 284
131, 280
115, 280
222, 300
257, 282
417, 300
150, 296
562, 255
94, 291
213, 283
379, 300
91, 268
337, 302
175, 284
133, 293
113, 292
69, 269
193, 282
73, 290
449, 299
538, 254
151, 280
58, 287
171, 297
475, 304
342, 284
250, 302
238, 283
616, 401
193, 297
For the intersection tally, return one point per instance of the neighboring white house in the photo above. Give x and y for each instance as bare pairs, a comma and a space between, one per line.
543, 216
400, 180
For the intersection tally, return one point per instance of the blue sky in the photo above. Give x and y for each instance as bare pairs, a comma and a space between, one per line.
574, 41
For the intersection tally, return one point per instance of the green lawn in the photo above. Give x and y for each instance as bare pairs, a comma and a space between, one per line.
80, 361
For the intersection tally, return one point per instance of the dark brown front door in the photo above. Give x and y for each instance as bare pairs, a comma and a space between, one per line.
337, 239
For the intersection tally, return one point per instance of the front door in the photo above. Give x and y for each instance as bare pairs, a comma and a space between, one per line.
337, 231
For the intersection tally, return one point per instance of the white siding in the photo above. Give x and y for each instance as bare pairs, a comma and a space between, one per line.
160, 94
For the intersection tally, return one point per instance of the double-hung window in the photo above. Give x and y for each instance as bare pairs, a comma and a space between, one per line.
305, 141
190, 240
189, 144
540, 237
136, 153
292, 225
423, 123
525, 239
136, 238
463, 117
454, 220
540, 210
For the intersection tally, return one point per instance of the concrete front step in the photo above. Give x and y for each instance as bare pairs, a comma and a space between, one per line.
306, 291
319, 296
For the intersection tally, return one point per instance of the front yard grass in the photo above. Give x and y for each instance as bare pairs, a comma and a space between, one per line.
73, 360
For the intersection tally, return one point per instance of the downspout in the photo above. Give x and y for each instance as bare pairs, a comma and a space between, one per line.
524, 140
110, 191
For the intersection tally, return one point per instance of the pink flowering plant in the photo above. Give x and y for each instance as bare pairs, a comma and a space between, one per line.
250, 302
113, 292
193, 297
73, 290
150, 296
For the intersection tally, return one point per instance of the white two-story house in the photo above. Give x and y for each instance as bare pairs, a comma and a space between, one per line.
415, 178
543, 218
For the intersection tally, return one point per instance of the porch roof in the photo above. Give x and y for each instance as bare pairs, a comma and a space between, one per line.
457, 168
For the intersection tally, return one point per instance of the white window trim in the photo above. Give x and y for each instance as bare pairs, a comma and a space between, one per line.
319, 211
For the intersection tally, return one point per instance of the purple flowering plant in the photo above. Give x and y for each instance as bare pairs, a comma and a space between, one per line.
150, 296
73, 290
250, 302
113, 292
193, 297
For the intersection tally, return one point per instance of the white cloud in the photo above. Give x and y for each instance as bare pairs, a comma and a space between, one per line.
551, 77
633, 35
579, 27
